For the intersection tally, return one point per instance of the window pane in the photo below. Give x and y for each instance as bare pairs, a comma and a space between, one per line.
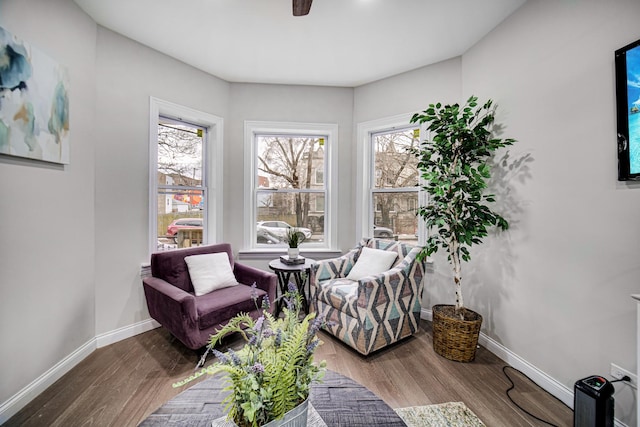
180, 219
395, 216
289, 176
181, 177
277, 212
289, 162
394, 165
179, 153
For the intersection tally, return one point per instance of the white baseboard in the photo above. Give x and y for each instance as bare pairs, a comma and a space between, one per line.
40, 384
548, 383
18, 401
125, 332
545, 381
618, 423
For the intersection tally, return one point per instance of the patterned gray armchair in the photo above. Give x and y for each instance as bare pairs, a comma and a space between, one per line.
374, 311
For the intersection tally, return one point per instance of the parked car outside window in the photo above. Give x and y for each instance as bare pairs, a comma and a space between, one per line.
382, 232
279, 229
265, 236
183, 223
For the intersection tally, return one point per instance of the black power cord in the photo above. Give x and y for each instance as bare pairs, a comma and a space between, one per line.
504, 370
626, 378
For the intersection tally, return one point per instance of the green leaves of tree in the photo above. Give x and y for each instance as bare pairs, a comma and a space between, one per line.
453, 163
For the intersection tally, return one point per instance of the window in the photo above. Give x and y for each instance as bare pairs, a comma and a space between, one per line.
288, 164
181, 187
184, 153
389, 193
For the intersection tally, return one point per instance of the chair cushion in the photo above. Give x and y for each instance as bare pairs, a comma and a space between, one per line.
402, 249
209, 272
371, 262
219, 306
341, 294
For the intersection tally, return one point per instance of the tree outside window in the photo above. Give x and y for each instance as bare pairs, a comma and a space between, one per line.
394, 190
287, 171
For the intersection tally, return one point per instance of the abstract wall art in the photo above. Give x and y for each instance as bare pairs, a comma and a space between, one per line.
34, 103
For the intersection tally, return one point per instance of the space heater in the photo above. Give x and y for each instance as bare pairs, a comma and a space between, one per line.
593, 402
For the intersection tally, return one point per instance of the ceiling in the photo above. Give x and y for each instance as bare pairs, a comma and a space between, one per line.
340, 43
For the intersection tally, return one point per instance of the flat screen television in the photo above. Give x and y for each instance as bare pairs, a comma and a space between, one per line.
627, 60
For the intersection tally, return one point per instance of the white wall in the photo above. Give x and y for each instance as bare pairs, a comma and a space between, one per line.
567, 268
408, 92
47, 212
128, 73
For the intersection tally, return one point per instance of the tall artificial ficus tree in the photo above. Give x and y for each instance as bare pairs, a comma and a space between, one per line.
453, 162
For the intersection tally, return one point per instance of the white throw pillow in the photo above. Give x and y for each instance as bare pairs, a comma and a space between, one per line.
210, 272
372, 261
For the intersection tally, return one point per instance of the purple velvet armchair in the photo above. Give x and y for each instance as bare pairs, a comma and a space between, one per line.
192, 319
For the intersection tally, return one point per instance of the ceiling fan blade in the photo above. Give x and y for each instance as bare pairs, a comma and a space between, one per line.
301, 7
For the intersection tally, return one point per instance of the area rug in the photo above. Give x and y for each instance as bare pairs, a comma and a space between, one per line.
452, 414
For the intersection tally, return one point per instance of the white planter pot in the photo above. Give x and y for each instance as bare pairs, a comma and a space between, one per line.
297, 417
293, 253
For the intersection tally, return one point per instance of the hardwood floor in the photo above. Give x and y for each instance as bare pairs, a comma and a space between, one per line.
121, 384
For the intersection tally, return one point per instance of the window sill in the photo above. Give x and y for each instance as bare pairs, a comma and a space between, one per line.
260, 254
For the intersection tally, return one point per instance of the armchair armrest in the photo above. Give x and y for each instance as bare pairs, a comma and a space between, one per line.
264, 280
165, 300
335, 267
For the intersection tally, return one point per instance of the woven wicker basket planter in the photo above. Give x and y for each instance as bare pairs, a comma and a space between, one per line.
454, 338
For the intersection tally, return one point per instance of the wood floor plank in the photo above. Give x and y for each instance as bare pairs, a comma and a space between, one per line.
122, 384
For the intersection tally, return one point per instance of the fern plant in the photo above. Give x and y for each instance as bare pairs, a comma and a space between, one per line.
273, 372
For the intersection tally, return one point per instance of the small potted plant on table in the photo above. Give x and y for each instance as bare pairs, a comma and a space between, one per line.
294, 239
453, 162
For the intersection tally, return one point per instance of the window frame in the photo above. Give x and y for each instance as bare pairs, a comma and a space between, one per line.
326, 130
212, 166
365, 187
